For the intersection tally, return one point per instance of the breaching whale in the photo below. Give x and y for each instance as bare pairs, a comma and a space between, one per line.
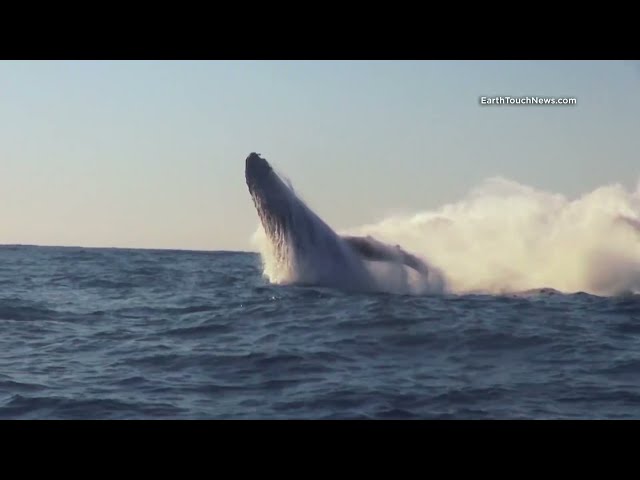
305, 244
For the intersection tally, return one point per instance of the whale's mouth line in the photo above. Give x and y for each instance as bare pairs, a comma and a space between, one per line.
258, 175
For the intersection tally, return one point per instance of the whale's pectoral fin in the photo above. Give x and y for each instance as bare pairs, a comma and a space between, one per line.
371, 249
364, 247
414, 263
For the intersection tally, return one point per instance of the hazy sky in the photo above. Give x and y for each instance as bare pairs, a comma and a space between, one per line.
151, 154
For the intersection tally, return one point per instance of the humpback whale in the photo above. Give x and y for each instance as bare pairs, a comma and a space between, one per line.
306, 246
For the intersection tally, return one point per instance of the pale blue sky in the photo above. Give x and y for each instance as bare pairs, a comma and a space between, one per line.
151, 154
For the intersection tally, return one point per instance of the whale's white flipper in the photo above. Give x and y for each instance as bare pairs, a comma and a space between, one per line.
372, 249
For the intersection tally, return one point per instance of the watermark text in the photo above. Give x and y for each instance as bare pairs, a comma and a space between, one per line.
528, 100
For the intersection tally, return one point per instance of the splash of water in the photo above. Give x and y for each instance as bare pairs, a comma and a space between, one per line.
507, 237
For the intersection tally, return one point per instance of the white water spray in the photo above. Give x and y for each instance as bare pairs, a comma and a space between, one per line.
507, 237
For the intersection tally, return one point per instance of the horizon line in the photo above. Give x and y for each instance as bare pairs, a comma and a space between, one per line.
170, 249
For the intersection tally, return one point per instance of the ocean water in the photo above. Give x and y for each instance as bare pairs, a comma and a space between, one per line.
141, 334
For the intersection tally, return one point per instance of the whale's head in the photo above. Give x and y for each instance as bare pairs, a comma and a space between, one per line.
274, 200
296, 235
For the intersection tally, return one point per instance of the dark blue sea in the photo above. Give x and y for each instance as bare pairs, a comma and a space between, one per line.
159, 334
